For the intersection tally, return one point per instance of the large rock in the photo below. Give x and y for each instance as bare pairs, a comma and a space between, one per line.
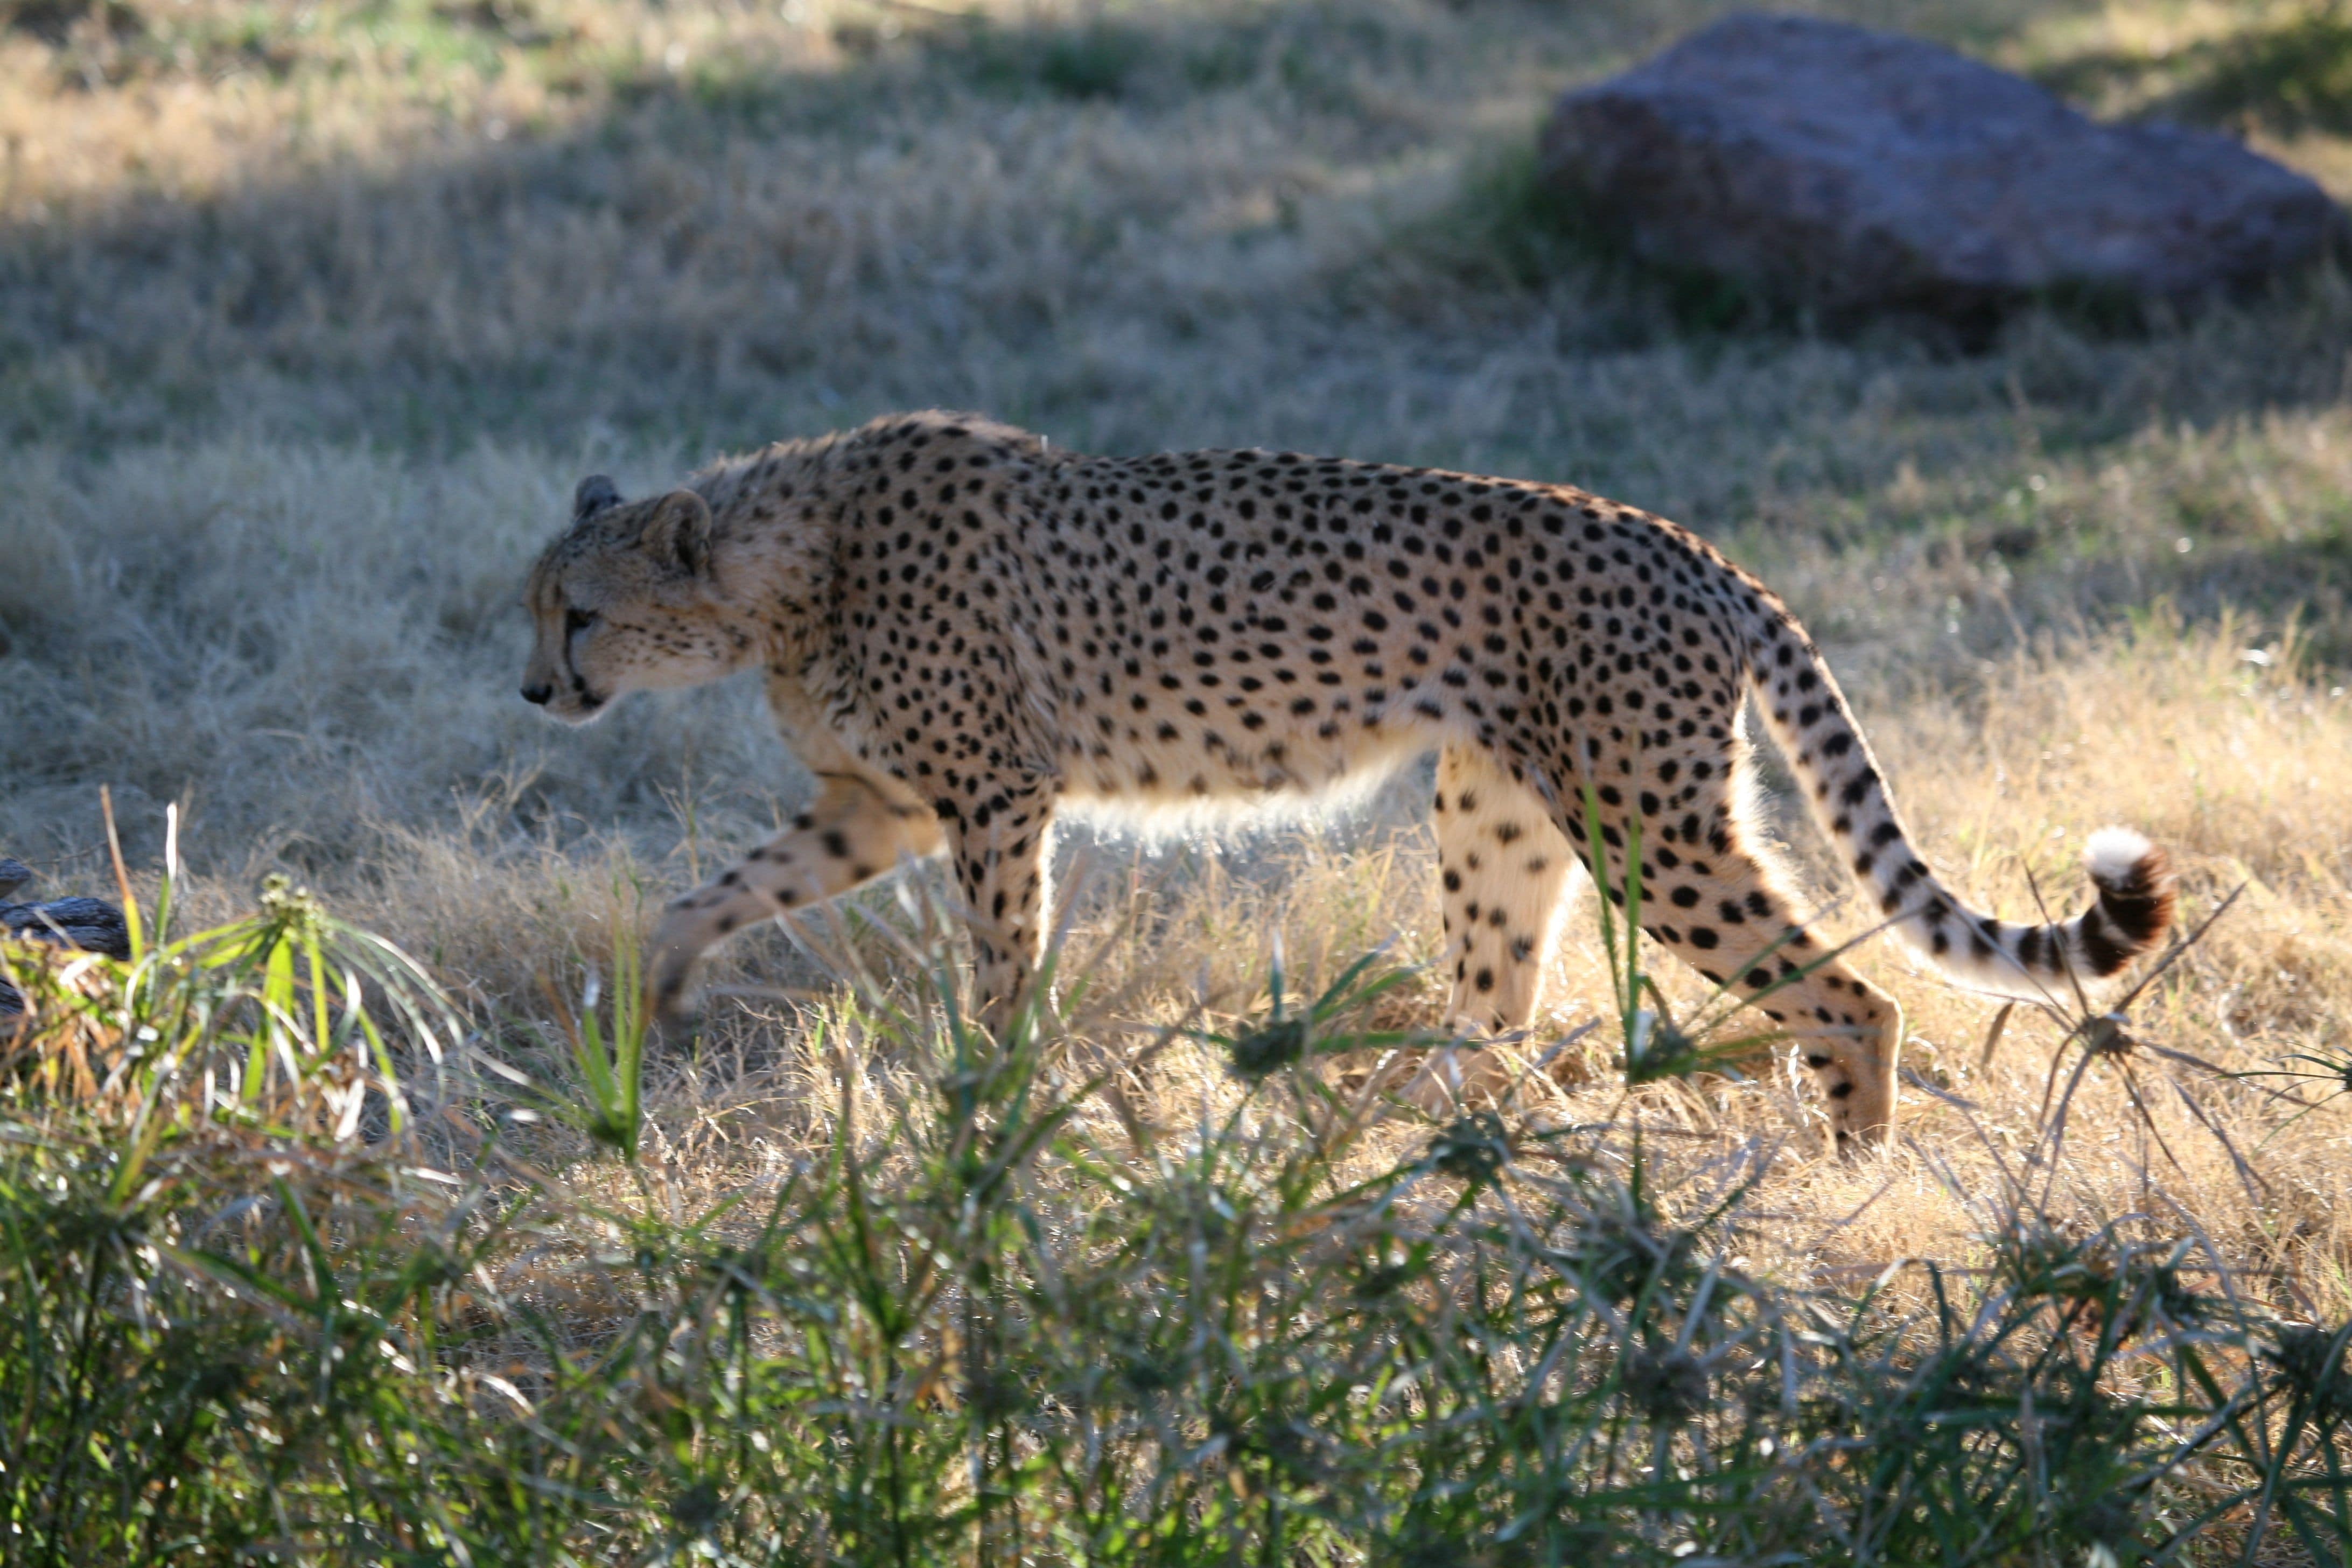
1847, 170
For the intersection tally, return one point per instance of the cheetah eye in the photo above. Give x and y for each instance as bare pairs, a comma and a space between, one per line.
578, 621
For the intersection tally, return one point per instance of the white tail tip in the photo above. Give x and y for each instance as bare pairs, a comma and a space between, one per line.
2112, 852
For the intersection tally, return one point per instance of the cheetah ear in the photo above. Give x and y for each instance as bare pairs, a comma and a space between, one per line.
677, 534
596, 493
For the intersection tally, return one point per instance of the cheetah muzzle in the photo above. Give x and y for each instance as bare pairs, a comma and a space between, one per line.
962, 629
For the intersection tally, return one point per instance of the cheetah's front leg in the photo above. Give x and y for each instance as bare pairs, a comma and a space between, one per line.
852, 834
998, 839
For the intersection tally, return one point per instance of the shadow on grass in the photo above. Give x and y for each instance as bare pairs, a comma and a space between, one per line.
2287, 75
1162, 215
923, 218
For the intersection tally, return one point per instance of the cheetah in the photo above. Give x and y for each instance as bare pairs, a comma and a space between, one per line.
964, 629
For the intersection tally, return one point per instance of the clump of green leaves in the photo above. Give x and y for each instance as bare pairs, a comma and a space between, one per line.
1474, 1149
1284, 1039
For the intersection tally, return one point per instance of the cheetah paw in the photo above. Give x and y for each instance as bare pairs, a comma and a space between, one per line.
1456, 1077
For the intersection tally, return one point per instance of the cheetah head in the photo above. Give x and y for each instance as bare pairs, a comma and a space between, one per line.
625, 601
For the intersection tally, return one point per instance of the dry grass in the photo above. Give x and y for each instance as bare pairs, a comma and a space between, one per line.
2235, 765
308, 323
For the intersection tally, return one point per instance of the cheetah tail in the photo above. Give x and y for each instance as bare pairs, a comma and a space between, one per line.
1808, 717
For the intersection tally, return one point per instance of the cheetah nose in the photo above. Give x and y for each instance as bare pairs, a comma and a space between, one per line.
539, 694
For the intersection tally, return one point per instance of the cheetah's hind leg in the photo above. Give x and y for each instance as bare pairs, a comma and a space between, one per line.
1712, 897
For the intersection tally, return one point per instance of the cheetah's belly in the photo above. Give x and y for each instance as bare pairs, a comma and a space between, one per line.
1148, 774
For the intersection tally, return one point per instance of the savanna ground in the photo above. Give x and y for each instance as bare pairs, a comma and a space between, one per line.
312, 315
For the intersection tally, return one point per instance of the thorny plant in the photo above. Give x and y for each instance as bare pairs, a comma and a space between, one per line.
2091, 1035
1002, 1314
